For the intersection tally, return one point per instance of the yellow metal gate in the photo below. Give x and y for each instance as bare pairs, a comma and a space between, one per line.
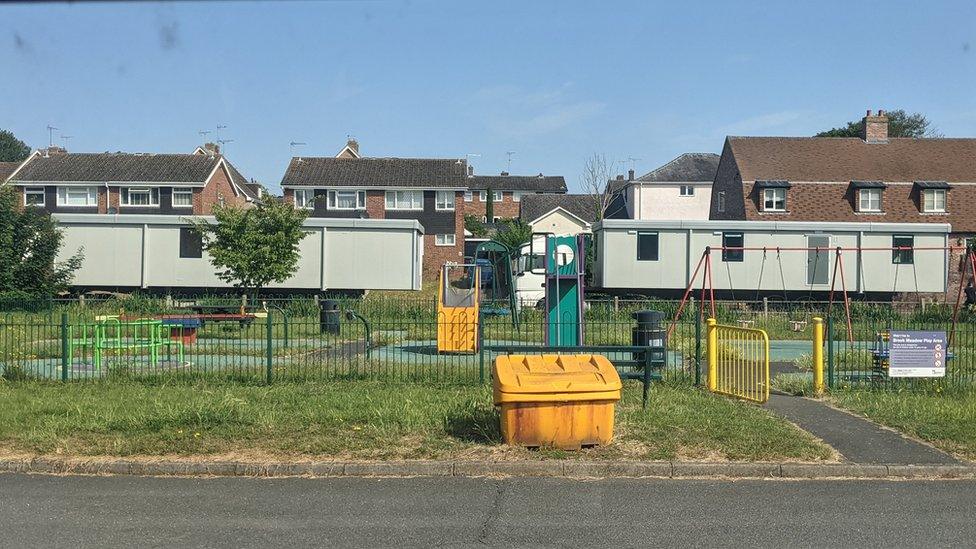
738, 362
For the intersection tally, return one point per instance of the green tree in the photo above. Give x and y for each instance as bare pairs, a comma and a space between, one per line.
252, 247
514, 233
900, 124
489, 206
11, 148
475, 226
29, 244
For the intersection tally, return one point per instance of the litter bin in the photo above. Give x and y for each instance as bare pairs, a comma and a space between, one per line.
329, 317
564, 401
649, 332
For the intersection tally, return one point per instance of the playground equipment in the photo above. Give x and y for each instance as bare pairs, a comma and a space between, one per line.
457, 310
498, 285
564, 268
738, 362
113, 334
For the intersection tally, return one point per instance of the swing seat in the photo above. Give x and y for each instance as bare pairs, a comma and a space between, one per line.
798, 325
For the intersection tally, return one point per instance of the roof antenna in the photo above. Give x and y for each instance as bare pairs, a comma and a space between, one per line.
50, 135
203, 134
509, 154
64, 140
291, 148
223, 142
633, 162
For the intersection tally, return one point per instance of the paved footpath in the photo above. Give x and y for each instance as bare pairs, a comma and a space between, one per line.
126, 511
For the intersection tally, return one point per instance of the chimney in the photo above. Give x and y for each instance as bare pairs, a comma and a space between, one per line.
620, 177
875, 127
630, 175
55, 150
353, 145
504, 173
470, 171
212, 148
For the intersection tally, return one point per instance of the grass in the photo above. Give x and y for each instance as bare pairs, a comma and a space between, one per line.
944, 417
364, 420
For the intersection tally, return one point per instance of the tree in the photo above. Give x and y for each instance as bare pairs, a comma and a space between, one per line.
475, 226
252, 247
596, 182
11, 148
489, 206
29, 244
900, 124
514, 233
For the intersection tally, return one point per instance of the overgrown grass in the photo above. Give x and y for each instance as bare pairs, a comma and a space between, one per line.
944, 417
364, 420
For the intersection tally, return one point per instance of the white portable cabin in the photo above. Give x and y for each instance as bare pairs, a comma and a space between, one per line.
778, 257
151, 251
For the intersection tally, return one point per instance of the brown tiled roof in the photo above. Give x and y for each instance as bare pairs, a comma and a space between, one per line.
118, 167
534, 183
848, 159
421, 173
7, 168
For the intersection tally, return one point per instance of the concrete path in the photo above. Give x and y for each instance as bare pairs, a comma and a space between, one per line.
857, 439
105, 512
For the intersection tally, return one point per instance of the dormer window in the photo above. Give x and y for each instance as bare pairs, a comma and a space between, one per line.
868, 195
773, 195
932, 196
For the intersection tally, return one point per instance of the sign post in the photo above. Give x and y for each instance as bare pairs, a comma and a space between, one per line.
917, 354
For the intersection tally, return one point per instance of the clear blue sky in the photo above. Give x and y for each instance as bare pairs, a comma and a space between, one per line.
553, 81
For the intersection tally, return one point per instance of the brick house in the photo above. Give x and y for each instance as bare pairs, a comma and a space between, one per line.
130, 183
507, 191
873, 178
429, 190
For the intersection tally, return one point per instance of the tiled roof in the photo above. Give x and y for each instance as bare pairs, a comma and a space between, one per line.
6, 169
687, 167
535, 183
249, 189
583, 206
118, 167
424, 173
852, 159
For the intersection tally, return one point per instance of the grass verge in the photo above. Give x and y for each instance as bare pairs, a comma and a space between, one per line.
364, 420
944, 417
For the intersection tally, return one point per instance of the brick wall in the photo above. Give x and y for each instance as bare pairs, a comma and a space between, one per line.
507, 208
217, 190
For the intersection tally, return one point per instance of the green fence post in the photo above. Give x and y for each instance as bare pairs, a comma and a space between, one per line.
830, 353
269, 355
481, 349
697, 349
65, 358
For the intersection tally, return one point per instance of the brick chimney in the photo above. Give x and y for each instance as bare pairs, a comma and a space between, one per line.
353, 145
875, 127
470, 171
504, 173
55, 150
212, 149
630, 175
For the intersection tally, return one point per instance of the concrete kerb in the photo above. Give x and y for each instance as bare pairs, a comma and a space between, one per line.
550, 468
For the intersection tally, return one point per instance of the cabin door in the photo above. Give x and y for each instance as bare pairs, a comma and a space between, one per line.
818, 259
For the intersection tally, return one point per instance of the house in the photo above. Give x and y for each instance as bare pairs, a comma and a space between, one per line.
560, 214
130, 183
7, 169
428, 190
680, 189
871, 179
507, 192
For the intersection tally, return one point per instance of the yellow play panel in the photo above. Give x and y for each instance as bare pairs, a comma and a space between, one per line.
457, 312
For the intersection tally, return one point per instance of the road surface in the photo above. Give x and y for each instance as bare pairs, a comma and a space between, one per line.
45, 511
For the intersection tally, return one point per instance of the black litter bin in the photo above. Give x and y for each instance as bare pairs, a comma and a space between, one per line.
649, 332
329, 317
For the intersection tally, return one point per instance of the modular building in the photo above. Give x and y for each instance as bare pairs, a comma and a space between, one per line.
160, 252
772, 258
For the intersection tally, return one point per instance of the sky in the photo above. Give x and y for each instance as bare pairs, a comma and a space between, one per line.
552, 82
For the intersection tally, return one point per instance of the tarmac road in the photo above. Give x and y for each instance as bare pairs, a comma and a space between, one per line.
73, 511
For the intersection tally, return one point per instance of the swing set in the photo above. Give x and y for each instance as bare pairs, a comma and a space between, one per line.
707, 291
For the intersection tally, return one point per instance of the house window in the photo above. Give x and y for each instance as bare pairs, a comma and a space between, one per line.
774, 200
304, 198
869, 200
647, 246
78, 196
721, 202
468, 196
444, 240
903, 249
445, 200
496, 196
347, 200
686, 190
516, 196
191, 243
34, 196
182, 198
934, 200
138, 196
404, 200
732, 240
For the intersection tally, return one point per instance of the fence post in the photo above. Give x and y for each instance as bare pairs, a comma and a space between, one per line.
481, 348
830, 353
712, 354
269, 354
818, 366
65, 348
697, 350
765, 308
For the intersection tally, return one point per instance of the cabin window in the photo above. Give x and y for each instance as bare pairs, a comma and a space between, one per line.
347, 200
732, 240
934, 200
686, 190
304, 198
647, 246
78, 196
182, 198
774, 200
34, 196
445, 200
191, 243
869, 200
903, 249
